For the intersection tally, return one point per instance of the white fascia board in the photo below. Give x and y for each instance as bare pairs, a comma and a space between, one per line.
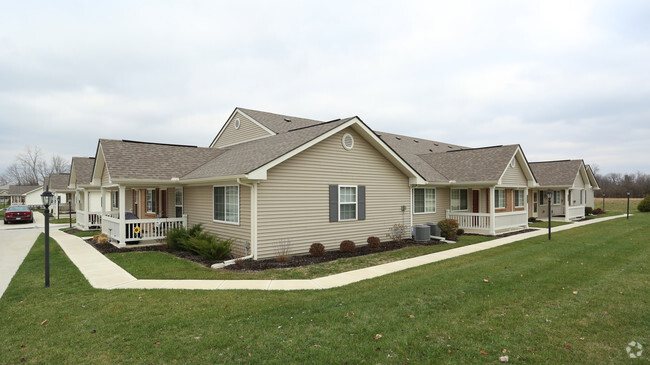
210, 180
97, 178
232, 117
519, 155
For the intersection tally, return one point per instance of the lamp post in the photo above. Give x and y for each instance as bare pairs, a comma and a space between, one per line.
47, 198
70, 211
603, 203
628, 205
548, 197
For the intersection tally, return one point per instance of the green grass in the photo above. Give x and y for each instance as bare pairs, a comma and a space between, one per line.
616, 206
545, 224
438, 313
82, 233
62, 220
159, 265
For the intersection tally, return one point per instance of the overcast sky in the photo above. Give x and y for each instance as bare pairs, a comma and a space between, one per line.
566, 79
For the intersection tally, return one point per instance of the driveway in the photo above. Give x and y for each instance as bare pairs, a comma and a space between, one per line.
15, 242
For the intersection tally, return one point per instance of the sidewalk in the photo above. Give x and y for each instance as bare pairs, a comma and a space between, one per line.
102, 273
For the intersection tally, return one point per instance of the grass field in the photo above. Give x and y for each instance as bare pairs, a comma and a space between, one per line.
580, 298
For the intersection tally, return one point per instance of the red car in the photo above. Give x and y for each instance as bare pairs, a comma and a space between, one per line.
19, 213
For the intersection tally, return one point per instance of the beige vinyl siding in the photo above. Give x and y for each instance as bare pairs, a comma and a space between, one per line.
104, 176
128, 200
442, 204
514, 176
293, 204
247, 131
199, 209
578, 183
171, 202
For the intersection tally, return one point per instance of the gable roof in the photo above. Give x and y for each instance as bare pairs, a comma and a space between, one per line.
475, 164
556, 173
133, 160
592, 178
22, 189
58, 182
82, 168
278, 123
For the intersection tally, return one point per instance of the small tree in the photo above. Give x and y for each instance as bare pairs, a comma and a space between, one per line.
644, 205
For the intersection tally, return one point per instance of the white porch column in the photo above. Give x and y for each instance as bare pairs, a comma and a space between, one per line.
526, 205
122, 207
102, 201
254, 220
566, 205
492, 214
86, 206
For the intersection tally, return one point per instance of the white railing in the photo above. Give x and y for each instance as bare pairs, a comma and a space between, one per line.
88, 220
575, 212
511, 220
474, 221
141, 229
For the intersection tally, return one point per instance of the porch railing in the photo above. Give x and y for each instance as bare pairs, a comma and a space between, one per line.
141, 229
511, 220
480, 222
87, 220
575, 212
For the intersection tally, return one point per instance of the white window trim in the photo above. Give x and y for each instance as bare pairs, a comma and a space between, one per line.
238, 204
356, 202
176, 205
557, 193
115, 204
451, 200
496, 200
522, 200
435, 196
153, 201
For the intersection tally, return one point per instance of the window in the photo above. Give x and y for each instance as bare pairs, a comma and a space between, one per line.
557, 197
115, 199
424, 200
151, 200
519, 198
226, 204
499, 198
347, 203
458, 199
179, 202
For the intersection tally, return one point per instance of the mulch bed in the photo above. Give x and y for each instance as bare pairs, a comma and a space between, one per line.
269, 264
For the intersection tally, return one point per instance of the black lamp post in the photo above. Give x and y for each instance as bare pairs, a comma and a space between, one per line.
548, 197
47, 198
603, 203
628, 205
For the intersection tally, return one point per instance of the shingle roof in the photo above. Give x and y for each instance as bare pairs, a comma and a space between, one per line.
83, 169
472, 165
153, 161
277, 122
21, 189
409, 148
245, 157
556, 173
58, 181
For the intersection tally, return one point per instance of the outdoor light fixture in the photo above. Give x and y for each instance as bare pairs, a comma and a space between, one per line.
603, 202
48, 199
628, 205
548, 196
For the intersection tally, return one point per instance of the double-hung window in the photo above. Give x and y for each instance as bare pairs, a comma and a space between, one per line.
115, 199
499, 198
151, 200
226, 204
178, 199
557, 197
519, 198
347, 203
458, 199
424, 200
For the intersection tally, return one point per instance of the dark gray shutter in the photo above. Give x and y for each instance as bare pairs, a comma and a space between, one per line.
361, 191
334, 203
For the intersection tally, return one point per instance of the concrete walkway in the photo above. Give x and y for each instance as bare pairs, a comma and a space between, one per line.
102, 273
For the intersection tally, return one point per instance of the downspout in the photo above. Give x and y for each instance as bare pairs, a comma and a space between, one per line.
253, 254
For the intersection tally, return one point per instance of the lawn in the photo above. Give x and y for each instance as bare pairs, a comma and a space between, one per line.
545, 224
580, 298
615, 206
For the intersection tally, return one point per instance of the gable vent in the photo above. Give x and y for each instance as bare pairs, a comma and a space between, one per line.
347, 141
237, 123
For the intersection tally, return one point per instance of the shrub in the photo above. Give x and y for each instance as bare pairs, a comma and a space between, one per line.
347, 246
373, 242
95, 238
178, 237
397, 232
597, 211
102, 239
532, 219
588, 211
460, 231
282, 251
209, 246
644, 205
448, 228
317, 249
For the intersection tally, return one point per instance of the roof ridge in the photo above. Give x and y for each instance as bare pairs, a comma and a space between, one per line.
158, 143
319, 124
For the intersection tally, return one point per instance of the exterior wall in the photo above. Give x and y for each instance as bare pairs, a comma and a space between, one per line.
590, 197
246, 132
555, 209
293, 204
171, 207
34, 198
578, 182
104, 176
199, 209
442, 204
514, 176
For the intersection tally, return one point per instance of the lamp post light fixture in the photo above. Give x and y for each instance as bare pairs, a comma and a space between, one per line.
548, 197
628, 205
603, 203
48, 199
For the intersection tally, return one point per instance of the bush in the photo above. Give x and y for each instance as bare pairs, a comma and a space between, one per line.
460, 231
102, 239
373, 242
317, 249
448, 228
588, 211
644, 205
201, 243
597, 211
178, 237
347, 246
532, 219
397, 232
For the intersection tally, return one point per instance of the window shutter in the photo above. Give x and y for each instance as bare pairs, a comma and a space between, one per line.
361, 201
334, 203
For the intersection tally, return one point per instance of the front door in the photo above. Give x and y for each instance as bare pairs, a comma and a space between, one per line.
535, 204
475, 201
164, 203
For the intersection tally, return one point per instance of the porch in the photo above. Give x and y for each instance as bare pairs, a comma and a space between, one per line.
134, 230
486, 223
566, 204
88, 220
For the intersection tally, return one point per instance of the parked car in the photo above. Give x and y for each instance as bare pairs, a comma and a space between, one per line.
19, 213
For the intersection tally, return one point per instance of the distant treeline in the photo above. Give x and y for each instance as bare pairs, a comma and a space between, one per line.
615, 185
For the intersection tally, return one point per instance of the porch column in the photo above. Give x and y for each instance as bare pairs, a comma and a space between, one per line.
102, 200
254, 220
86, 206
492, 214
526, 205
122, 207
566, 205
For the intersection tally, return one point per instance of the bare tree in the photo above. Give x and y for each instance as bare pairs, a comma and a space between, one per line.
34, 168
58, 165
